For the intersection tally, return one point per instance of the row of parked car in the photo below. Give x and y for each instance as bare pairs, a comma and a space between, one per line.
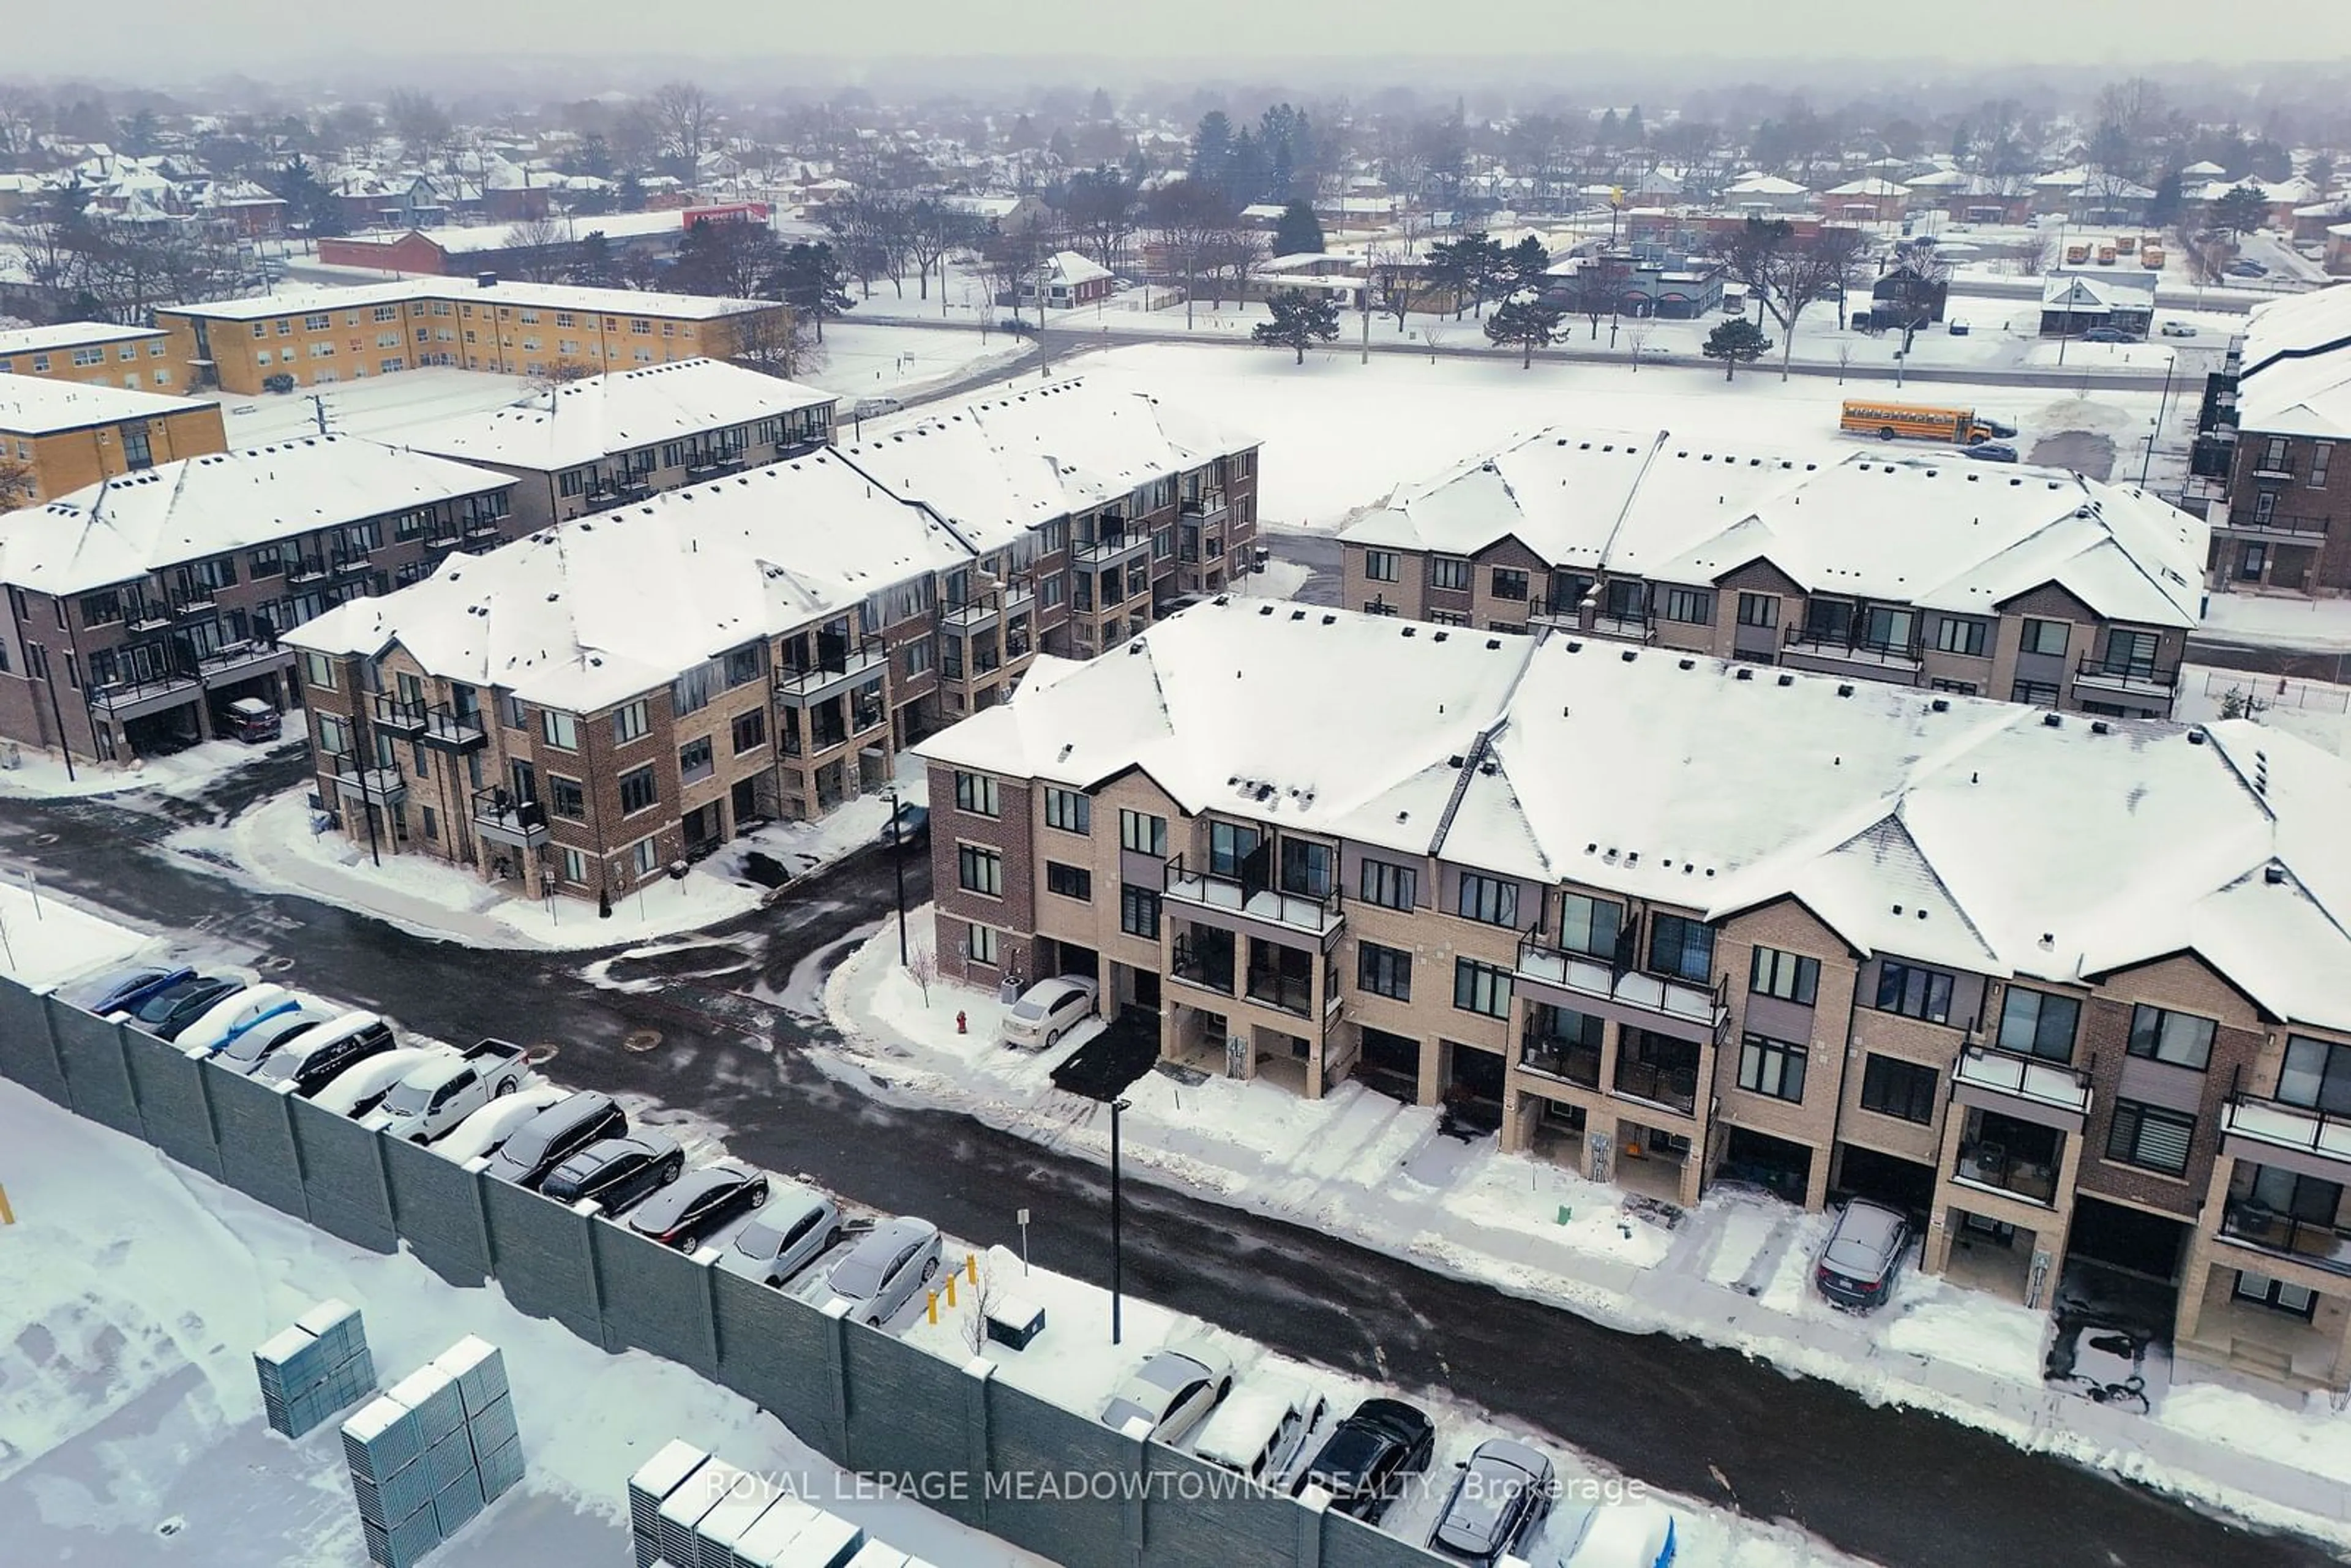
488, 1103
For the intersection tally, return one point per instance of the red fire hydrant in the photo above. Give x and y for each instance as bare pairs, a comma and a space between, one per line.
960, 1023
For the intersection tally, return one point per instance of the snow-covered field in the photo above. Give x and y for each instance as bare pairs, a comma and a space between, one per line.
865, 360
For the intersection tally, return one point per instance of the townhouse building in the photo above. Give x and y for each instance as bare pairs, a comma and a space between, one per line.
635, 686
69, 434
2023, 584
2066, 988
604, 441
317, 337
93, 353
2264, 463
140, 605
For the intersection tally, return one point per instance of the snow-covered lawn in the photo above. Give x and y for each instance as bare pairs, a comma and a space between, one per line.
866, 359
29, 775
44, 941
2279, 620
1736, 1270
2317, 711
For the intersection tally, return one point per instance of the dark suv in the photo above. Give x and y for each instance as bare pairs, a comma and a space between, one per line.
554, 1135
1364, 1460
616, 1172
1863, 1258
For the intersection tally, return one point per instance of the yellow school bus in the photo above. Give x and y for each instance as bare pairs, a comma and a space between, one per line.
2075, 255
1920, 422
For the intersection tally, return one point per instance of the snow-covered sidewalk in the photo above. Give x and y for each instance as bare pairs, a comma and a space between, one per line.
1734, 1271
2279, 620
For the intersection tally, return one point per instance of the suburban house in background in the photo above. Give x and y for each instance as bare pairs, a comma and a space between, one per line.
1924, 956
2263, 461
71, 435
2022, 584
513, 248
2072, 303
1067, 279
140, 605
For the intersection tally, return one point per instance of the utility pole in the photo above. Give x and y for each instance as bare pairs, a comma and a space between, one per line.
898, 868
2161, 402
318, 411
1115, 1204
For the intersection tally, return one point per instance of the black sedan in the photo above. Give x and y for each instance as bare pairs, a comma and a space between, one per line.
698, 1203
1366, 1458
616, 1172
166, 1013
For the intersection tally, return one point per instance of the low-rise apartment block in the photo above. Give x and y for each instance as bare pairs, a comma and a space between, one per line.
2064, 986
2279, 500
67, 435
605, 441
317, 337
140, 606
2023, 584
94, 354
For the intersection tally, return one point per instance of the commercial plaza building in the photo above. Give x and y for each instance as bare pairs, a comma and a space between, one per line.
2063, 985
1966, 578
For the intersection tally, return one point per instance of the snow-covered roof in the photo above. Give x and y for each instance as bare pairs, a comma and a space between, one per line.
68, 335
123, 528
1955, 830
527, 296
1760, 185
37, 405
1872, 186
469, 239
1070, 269
1935, 531
582, 421
607, 607
2098, 291
2203, 169
2297, 379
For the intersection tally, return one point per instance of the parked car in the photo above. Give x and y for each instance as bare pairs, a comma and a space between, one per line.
1864, 1254
1990, 452
316, 1056
874, 407
1261, 1431
1623, 1535
1503, 1494
1958, 327
2107, 335
2247, 269
552, 1136
484, 1130
1048, 1010
250, 720
616, 1172
2179, 330
122, 990
914, 825
797, 1225
164, 1012
1363, 1462
881, 1273
2000, 429
698, 1203
360, 1088
219, 1025
435, 1098
246, 1053
1172, 1391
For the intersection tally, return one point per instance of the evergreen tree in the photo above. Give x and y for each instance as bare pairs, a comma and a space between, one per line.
1212, 150
1299, 232
1301, 320
1736, 342
593, 265
1635, 134
1524, 320
2163, 207
1608, 130
812, 283
1527, 264
2241, 209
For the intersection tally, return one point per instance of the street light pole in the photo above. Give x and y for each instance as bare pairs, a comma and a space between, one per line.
2161, 400
898, 868
1116, 1278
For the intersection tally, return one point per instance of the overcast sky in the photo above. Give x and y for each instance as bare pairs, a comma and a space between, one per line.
153, 39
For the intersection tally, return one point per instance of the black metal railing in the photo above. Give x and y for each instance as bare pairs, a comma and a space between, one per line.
1660, 1084
1572, 1060
498, 806
2316, 1242
1277, 988
396, 713
2131, 675
1994, 1164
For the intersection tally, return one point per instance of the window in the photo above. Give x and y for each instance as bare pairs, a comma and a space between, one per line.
1447, 618
750, 731
1448, 571
745, 665
1048, 592
2316, 1073
629, 723
1791, 977
1509, 583
1142, 833
1138, 910
2045, 637
1380, 564
644, 857
979, 870
101, 609
566, 799
695, 760
980, 944
1071, 810
318, 670
2295, 1300
1689, 605
2182, 1039
1955, 635
2034, 1023
2034, 693
1384, 971
638, 792
2318, 456
690, 693
1487, 898
975, 793
1681, 947
1390, 886
1885, 629
2150, 1137
1903, 1090
559, 729
1774, 1067
1481, 989
334, 735
1308, 869
1230, 846
1914, 992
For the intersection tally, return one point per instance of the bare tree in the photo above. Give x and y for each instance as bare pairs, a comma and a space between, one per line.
922, 968
1434, 332
422, 126
17, 484
1843, 358
1102, 206
1190, 219
683, 117
2039, 251
776, 342
563, 372
984, 1296
1636, 337
934, 230
542, 249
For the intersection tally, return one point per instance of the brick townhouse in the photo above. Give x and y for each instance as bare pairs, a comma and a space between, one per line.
749, 649
2023, 584
2267, 459
68, 435
140, 606
2067, 988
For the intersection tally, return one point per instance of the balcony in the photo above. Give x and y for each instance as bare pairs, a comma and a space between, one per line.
136, 699
1210, 972
376, 786
1287, 993
344, 562
2250, 1222
835, 665
1994, 1165
452, 731
2048, 1093
985, 608
480, 528
500, 819
1681, 1008
1208, 511
1113, 545
1805, 648
194, 599
1569, 1060
2292, 530
146, 615
305, 568
2129, 677
397, 716
1625, 627
618, 491
1252, 905
2252, 1128
700, 467
1670, 1084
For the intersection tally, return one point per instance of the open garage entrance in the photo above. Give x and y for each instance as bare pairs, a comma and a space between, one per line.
1897, 1182
1779, 1167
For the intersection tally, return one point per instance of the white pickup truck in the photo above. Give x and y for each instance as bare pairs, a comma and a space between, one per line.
436, 1096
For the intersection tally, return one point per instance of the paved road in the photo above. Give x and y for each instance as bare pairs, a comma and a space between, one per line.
1896, 1487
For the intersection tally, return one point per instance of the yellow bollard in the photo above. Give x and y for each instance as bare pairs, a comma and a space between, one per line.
971, 1266
933, 1305
7, 1215
951, 1280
